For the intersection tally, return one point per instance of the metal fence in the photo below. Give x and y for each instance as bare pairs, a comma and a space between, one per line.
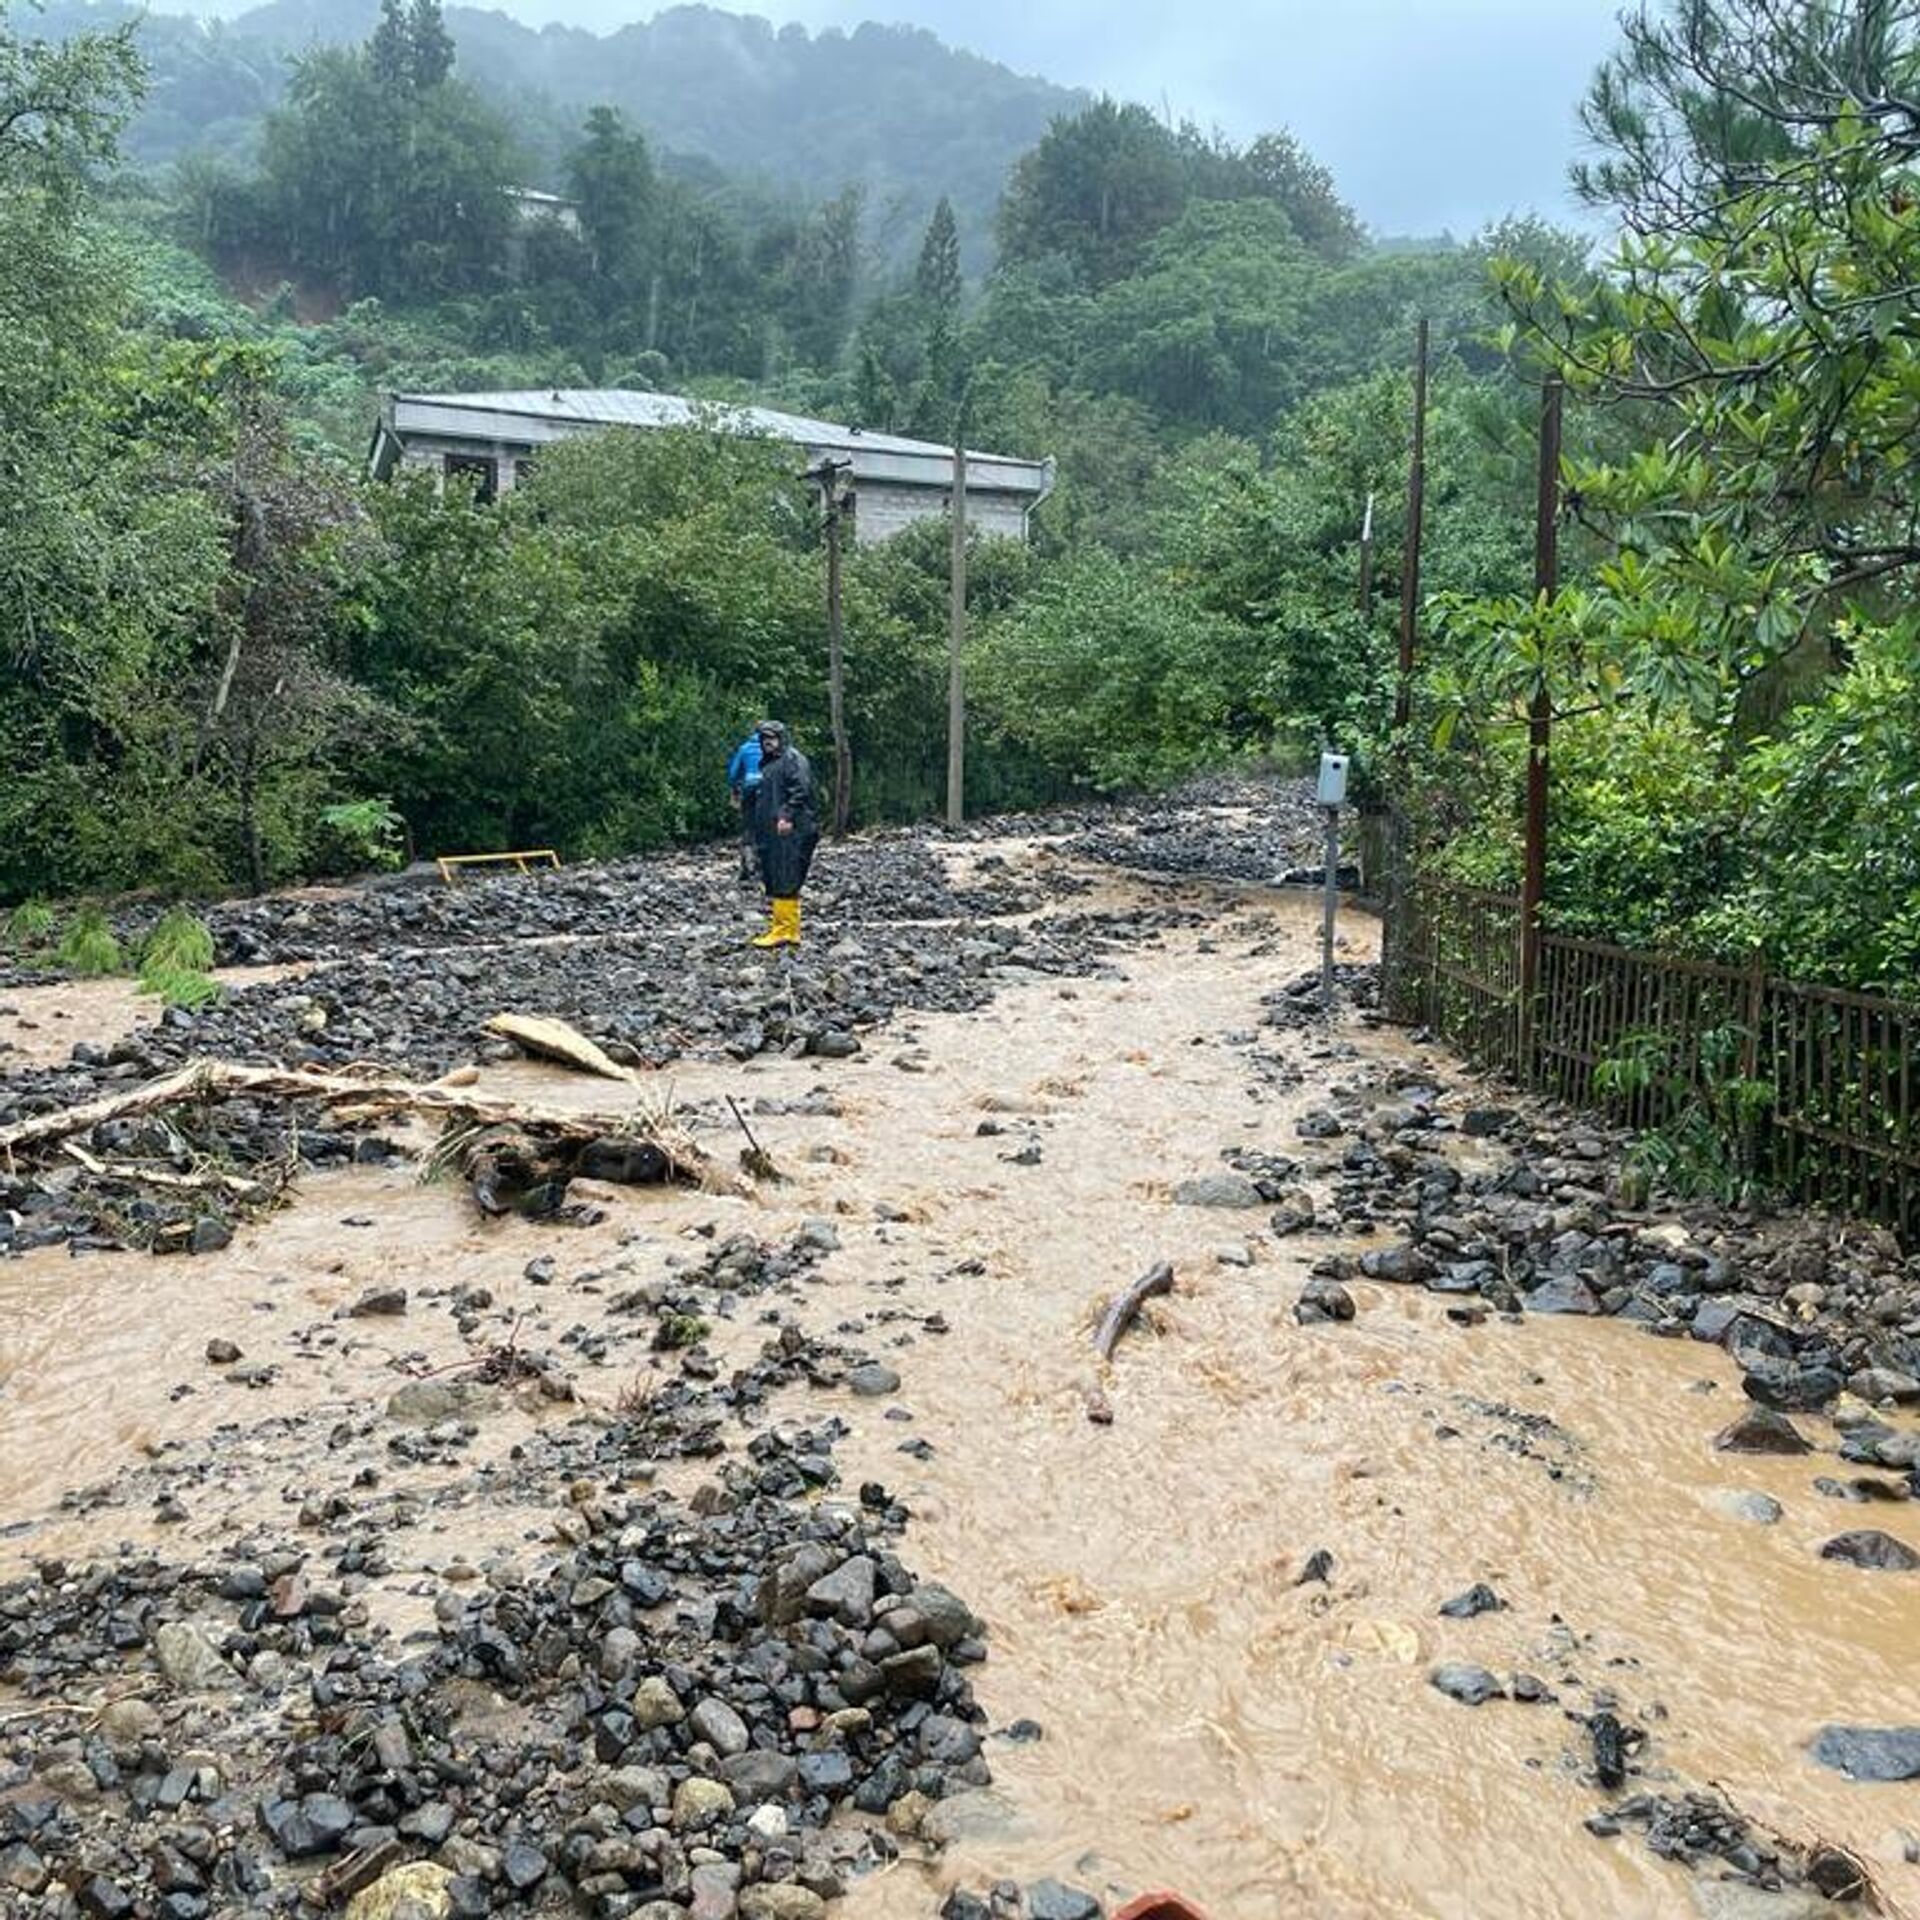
1818, 1083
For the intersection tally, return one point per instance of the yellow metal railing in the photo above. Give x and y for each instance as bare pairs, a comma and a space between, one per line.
524, 862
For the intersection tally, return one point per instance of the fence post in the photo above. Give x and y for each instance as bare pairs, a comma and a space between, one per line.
1546, 583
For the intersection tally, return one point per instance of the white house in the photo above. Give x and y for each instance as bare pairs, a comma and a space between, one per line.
892, 481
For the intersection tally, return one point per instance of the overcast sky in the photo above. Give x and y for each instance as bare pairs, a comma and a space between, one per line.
1432, 113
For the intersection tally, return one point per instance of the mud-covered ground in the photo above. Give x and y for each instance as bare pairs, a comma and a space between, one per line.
1457, 1538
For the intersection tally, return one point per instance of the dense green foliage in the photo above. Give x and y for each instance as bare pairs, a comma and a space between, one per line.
241, 664
1731, 657
228, 660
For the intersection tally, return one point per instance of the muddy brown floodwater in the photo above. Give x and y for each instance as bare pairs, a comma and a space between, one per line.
1273, 1749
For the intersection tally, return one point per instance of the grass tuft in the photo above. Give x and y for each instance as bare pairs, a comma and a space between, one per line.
88, 946
180, 986
30, 926
178, 943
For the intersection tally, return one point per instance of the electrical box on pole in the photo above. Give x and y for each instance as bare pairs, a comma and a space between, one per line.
1333, 796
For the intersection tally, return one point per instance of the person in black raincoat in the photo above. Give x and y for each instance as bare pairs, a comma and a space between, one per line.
786, 829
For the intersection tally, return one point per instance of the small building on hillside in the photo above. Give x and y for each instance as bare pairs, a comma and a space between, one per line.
891, 482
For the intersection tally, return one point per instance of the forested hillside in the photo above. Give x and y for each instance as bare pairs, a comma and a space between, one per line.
890, 108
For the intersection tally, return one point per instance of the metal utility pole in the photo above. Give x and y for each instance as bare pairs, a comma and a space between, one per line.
827, 476
1546, 583
1332, 796
957, 636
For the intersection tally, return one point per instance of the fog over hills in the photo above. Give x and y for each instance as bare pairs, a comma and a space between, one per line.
1482, 90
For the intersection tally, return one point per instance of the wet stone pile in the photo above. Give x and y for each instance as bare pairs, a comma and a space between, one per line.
701, 1710
879, 878
648, 998
1522, 1208
1214, 829
663, 1721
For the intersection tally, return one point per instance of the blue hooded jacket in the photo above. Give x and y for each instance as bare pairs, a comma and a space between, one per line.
743, 770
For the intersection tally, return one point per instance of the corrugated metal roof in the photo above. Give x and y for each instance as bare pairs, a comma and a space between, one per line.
617, 407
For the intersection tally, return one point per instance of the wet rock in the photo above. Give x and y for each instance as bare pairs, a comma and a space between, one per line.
1761, 1430
1869, 1547
1318, 1569
1400, 1265
426, 1403
1223, 1190
1760, 1508
698, 1803
1051, 1900
1562, 1293
316, 1823
1790, 1387
655, 1704
781, 1900
1472, 1686
949, 1620
1882, 1386
1321, 1301
190, 1661
209, 1235
1479, 1598
713, 1721
415, 1892
846, 1593
1869, 1753
1609, 1739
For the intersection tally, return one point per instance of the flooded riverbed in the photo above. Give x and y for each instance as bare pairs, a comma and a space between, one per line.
1209, 1721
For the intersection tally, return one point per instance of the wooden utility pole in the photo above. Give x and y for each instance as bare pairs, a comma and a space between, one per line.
1366, 562
1393, 952
957, 636
827, 475
1410, 551
1546, 583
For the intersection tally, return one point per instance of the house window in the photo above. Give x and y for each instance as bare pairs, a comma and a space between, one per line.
480, 469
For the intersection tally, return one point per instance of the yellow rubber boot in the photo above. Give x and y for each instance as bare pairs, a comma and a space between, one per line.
783, 925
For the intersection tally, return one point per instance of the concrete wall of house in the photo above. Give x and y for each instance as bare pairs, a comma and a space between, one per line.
883, 509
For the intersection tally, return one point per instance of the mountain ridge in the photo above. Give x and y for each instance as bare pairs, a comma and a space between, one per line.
892, 107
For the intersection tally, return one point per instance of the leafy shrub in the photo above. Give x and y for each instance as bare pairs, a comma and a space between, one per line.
1706, 1143
365, 833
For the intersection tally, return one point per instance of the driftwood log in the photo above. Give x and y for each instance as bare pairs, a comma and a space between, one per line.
556, 1041
1125, 1310
608, 1147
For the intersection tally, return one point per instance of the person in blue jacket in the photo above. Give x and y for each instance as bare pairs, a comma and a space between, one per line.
786, 827
743, 784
